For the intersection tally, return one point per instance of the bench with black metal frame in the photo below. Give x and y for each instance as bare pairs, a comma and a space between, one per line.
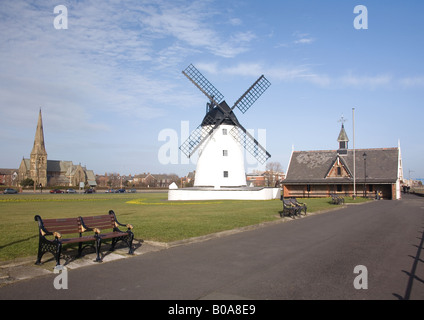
301, 206
109, 222
51, 238
335, 199
51, 233
288, 209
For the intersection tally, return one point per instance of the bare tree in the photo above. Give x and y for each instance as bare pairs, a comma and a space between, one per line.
273, 173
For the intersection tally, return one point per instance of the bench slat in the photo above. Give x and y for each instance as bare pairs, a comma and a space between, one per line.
65, 226
101, 222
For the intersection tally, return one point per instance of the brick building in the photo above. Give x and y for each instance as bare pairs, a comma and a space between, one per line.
322, 173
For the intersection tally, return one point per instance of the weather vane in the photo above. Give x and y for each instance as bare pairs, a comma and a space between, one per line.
342, 120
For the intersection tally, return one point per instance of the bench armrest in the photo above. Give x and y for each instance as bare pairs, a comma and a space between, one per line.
43, 231
129, 226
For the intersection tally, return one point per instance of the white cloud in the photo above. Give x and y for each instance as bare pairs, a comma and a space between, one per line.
195, 25
304, 41
278, 73
412, 82
366, 81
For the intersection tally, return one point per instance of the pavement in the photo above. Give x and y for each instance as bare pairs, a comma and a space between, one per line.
25, 268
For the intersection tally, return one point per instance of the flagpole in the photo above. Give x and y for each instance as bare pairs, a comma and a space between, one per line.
354, 158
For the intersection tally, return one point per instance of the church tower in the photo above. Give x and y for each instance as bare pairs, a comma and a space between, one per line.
38, 160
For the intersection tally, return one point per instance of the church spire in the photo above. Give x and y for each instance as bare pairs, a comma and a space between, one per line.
39, 147
38, 160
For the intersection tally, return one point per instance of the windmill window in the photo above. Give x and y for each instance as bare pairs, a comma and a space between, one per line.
225, 153
224, 132
225, 174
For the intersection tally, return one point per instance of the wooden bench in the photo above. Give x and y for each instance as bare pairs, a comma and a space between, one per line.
288, 209
51, 238
335, 199
299, 205
109, 222
51, 233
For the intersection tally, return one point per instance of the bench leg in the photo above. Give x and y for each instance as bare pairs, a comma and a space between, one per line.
98, 244
112, 245
130, 242
58, 252
38, 261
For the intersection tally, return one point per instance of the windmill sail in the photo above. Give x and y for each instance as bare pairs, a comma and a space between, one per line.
198, 136
252, 94
203, 84
243, 137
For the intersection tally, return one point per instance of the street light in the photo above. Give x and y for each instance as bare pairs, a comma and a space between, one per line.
365, 173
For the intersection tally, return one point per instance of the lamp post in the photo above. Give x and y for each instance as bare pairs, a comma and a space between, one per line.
365, 173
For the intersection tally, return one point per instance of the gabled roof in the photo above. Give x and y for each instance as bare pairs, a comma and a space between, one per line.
343, 165
313, 166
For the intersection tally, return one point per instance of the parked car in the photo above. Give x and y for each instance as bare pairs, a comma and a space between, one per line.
9, 191
71, 190
89, 191
132, 190
121, 191
56, 191
110, 191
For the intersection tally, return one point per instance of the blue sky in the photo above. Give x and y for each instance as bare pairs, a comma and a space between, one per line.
113, 97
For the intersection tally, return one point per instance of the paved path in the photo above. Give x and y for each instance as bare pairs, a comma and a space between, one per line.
308, 258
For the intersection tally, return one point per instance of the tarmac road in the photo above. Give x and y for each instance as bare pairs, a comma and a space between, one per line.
309, 258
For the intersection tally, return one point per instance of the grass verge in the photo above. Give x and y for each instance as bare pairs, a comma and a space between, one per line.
153, 217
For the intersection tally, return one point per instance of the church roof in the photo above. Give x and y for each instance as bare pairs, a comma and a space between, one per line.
59, 166
312, 167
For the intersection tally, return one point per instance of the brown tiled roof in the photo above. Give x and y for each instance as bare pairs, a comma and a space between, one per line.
312, 166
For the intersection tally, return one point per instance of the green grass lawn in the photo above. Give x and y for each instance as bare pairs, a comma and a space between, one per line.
153, 217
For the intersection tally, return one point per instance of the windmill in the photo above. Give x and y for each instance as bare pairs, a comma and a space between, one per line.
220, 135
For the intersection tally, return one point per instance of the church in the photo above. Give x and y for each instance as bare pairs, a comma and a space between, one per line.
46, 172
344, 172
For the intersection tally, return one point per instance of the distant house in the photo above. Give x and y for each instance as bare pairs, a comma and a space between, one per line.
9, 177
154, 180
267, 178
322, 173
52, 172
255, 179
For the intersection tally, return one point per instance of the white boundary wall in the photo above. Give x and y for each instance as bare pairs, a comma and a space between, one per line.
224, 194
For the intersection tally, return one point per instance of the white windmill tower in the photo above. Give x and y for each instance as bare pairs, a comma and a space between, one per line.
220, 137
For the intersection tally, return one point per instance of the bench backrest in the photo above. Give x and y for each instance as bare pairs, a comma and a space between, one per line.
102, 222
63, 226
287, 203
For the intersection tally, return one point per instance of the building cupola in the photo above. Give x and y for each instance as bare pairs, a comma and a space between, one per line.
343, 140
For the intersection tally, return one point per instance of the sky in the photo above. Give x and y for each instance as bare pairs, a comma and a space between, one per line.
107, 77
